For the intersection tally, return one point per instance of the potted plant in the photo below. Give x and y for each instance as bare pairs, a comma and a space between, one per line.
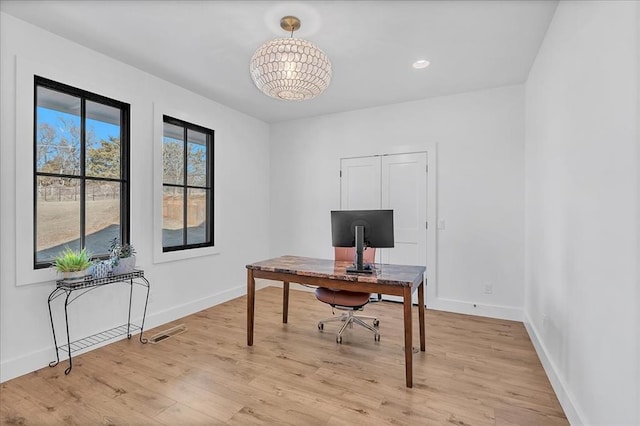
123, 257
72, 264
101, 268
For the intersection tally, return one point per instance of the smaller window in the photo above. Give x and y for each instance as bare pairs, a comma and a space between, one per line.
187, 185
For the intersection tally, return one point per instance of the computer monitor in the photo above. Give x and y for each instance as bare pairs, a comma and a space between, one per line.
360, 229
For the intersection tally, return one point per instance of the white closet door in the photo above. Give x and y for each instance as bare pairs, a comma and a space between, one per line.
397, 182
404, 189
360, 183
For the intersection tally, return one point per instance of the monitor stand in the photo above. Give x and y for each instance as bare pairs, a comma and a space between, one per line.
366, 269
359, 267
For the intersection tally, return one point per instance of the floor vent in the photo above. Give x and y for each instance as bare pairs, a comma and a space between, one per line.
164, 335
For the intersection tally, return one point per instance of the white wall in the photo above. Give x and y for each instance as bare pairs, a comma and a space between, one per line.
480, 186
177, 288
582, 213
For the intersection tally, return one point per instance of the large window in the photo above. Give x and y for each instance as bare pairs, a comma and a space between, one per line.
81, 171
187, 182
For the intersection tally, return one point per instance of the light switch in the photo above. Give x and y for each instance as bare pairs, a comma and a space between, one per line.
441, 224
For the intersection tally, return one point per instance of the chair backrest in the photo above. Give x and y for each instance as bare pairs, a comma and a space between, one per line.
349, 253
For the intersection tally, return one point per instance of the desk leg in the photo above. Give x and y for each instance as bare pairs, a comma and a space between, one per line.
421, 308
251, 302
285, 301
408, 348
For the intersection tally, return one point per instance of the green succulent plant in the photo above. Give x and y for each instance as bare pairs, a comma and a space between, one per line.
120, 251
72, 260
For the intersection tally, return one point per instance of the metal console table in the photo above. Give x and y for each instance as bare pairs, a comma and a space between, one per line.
85, 285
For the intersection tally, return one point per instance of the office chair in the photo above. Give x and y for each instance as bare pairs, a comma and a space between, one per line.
349, 301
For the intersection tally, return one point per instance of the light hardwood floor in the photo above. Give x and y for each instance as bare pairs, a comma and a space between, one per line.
476, 371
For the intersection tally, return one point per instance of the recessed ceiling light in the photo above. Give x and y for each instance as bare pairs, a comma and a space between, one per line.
420, 64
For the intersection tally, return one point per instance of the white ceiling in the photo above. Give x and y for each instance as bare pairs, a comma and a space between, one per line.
205, 46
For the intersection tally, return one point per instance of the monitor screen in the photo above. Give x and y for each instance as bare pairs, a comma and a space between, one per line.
378, 227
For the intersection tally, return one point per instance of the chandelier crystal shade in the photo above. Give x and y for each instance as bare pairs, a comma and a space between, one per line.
290, 68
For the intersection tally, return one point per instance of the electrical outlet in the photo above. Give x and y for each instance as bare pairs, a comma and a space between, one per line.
488, 289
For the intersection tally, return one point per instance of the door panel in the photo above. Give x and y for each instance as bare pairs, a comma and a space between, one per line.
360, 183
404, 189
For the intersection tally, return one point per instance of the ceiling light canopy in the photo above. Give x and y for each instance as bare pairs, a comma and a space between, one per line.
290, 68
420, 64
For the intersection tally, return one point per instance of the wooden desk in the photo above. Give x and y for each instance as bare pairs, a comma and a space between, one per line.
397, 280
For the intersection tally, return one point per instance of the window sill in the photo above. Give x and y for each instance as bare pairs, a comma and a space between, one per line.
171, 256
27, 275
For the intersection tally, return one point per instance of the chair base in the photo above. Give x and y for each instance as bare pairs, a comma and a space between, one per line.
348, 319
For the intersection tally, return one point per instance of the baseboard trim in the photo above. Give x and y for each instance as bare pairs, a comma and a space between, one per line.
36, 360
572, 412
16, 367
480, 309
181, 311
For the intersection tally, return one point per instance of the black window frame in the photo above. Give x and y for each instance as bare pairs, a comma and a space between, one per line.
209, 229
124, 180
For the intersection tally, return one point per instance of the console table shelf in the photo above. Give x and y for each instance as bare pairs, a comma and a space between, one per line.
97, 338
73, 289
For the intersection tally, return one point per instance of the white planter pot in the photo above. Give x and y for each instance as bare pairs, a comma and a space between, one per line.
125, 265
74, 275
101, 269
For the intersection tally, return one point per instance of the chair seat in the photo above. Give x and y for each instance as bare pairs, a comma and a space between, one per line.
349, 299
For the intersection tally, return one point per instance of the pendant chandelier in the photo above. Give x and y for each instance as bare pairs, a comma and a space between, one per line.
292, 69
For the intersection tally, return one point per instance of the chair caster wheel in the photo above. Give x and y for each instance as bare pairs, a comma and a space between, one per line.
376, 323
339, 339
320, 326
376, 337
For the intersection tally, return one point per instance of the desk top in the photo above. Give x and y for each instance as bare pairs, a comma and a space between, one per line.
401, 275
